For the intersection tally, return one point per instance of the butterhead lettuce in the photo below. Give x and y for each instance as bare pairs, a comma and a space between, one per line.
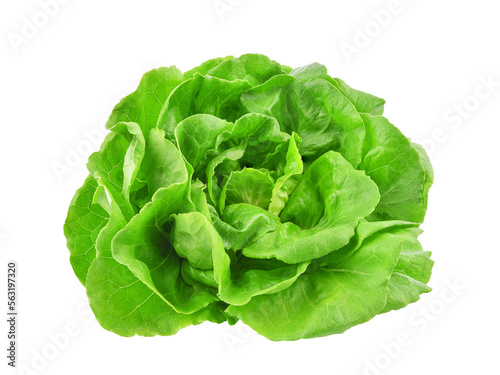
245, 190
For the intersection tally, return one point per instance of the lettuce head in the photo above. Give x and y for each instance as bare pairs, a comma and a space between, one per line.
245, 190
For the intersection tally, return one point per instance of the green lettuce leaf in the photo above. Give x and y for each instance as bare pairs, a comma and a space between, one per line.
398, 170
144, 105
330, 299
84, 223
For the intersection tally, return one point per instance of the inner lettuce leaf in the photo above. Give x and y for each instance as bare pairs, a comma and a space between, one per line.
244, 189
324, 210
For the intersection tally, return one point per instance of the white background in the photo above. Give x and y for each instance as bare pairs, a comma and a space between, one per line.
427, 59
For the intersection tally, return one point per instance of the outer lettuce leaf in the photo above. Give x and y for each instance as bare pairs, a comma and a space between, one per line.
84, 222
144, 105
328, 300
429, 172
364, 103
397, 168
410, 276
117, 164
364, 230
126, 306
